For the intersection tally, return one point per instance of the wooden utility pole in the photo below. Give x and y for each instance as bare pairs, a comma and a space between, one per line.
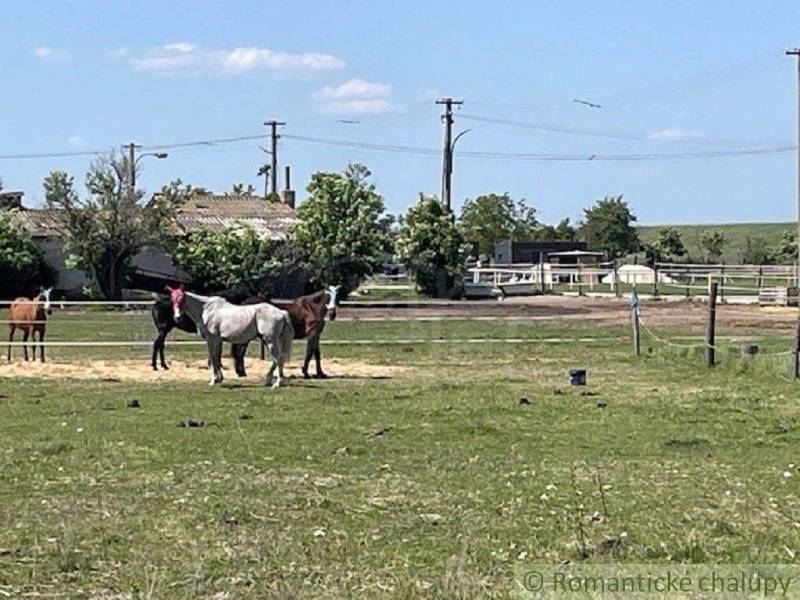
637, 349
796, 357
273, 171
711, 324
132, 148
447, 149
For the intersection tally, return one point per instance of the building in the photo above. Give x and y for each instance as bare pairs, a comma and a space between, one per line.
509, 252
44, 226
152, 267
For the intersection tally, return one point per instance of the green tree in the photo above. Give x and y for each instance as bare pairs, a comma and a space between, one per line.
23, 268
713, 244
785, 251
236, 257
104, 231
339, 232
756, 251
432, 248
608, 227
240, 189
563, 231
667, 247
492, 218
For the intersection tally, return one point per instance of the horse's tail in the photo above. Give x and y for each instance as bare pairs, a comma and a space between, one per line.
286, 337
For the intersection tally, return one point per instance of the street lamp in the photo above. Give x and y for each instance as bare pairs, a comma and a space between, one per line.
133, 160
450, 163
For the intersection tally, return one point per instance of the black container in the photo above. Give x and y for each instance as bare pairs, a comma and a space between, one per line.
577, 377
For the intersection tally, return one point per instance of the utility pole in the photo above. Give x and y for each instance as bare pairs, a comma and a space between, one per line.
273, 172
132, 164
796, 357
133, 161
447, 155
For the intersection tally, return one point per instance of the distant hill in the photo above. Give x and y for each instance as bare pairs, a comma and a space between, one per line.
735, 235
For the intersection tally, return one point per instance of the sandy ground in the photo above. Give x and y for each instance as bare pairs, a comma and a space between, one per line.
181, 370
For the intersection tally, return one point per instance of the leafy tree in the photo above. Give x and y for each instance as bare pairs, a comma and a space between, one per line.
240, 189
713, 244
562, 231
608, 227
667, 247
22, 263
232, 258
339, 231
492, 218
785, 252
756, 251
432, 247
106, 229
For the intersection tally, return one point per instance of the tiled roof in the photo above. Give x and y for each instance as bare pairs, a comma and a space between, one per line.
40, 222
270, 219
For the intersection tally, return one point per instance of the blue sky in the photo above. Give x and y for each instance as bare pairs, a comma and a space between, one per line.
672, 77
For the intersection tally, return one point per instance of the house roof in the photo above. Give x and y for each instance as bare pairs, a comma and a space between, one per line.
40, 222
269, 219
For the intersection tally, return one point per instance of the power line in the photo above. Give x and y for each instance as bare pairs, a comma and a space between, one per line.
620, 135
421, 151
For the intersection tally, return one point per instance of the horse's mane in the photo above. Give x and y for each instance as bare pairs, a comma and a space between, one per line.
314, 297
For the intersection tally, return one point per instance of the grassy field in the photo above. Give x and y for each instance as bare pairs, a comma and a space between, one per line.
434, 481
735, 234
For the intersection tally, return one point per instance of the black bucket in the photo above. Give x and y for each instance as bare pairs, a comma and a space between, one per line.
577, 377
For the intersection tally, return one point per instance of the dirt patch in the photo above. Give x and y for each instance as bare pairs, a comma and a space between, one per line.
181, 370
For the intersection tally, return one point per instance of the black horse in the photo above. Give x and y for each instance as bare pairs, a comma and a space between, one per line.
164, 320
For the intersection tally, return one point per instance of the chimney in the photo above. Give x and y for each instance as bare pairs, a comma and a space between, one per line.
287, 195
10, 200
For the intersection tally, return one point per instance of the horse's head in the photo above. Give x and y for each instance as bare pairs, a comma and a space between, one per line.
178, 299
332, 291
44, 297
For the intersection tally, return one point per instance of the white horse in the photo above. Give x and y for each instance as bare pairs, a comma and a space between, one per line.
220, 321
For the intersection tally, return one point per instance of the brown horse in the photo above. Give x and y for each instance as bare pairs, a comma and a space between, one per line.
29, 315
308, 319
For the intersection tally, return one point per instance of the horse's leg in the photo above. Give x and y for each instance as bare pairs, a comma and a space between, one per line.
161, 352
215, 359
309, 351
25, 334
41, 344
11, 331
158, 348
270, 379
318, 359
239, 353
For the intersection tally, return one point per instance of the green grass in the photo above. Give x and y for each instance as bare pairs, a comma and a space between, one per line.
735, 234
433, 482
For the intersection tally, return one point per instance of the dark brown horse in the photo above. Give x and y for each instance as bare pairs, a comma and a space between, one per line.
308, 319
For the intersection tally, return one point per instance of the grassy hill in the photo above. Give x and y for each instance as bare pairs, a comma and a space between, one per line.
735, 235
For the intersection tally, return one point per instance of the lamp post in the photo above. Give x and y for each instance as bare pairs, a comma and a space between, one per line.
133, 160
450, 165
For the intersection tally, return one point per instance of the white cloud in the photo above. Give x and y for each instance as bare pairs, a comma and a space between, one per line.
121, 52
356, 97
183, 47
182, 58
76, 141
675, 134
43, 52
369, 106
355, 89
